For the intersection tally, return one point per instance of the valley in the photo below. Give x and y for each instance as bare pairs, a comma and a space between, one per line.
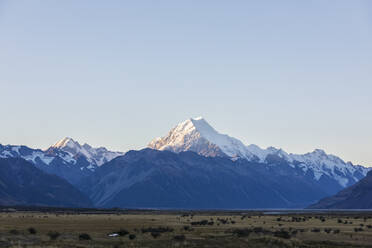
155, 228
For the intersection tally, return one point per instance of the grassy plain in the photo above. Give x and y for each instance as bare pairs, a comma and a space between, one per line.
90, 228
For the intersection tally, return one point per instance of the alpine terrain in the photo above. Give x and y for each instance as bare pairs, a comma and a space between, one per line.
357, 196
198, 136
67, 158
21, 183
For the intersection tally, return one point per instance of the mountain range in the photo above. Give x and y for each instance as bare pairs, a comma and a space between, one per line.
194, 167
198, 136
66, 159
162, 179
357, 196
21, 183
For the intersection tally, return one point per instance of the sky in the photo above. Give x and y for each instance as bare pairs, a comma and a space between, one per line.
291, 74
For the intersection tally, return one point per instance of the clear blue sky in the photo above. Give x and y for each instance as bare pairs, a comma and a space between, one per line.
291, 74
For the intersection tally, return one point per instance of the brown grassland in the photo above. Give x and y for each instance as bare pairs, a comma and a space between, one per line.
48, 228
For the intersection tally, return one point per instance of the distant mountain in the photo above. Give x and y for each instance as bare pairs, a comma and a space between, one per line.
21, 183
95, 156
163, 179
67, 158
193, 167
357, 196
198, 136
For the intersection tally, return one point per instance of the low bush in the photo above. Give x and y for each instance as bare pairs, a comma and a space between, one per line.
84, 236
53, 235
155, 234
122, 232
32, 230
202, 223
14, 232
242, 232
179, 238
358, 229
186, 228
282, 234
132, 236
157, 229
327, 230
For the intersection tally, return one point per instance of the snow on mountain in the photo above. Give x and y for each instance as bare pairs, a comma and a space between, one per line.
95, 156
198, 136
31, 155
67, 158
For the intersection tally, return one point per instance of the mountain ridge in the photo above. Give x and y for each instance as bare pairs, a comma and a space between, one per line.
357, 196
21, 183
198, 136
151, 178
66, 158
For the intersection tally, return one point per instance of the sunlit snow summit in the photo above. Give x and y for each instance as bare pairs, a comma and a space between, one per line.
198, 136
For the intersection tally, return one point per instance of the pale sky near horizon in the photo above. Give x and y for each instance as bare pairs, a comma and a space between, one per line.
295, 75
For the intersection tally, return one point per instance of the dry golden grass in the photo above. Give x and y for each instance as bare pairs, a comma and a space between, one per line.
301, 228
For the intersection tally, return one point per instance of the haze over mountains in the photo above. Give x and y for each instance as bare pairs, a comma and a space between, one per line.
194, 167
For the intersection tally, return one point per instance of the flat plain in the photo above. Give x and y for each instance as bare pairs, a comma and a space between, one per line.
147, 228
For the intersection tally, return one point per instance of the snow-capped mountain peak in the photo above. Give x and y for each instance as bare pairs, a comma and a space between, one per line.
66, 142
95, 156
198, 136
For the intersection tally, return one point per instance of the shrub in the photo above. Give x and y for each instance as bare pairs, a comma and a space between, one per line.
53, 235
122, 232
242, 232
157, 229
32, 230
336, 231
315, 230
327, 230
201, 223
155, 234
14, 232
282, 234
132, 236
179, 238
258, 230
356, 229
84, 236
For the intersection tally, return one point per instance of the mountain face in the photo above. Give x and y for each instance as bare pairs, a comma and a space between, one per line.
198, 136
163, 179
67, 158
21, 183
357, 196
95, 156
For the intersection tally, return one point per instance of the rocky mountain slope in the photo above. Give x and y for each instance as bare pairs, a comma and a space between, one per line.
21, 183
198, 136
357, 196
67, 158
163, 179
